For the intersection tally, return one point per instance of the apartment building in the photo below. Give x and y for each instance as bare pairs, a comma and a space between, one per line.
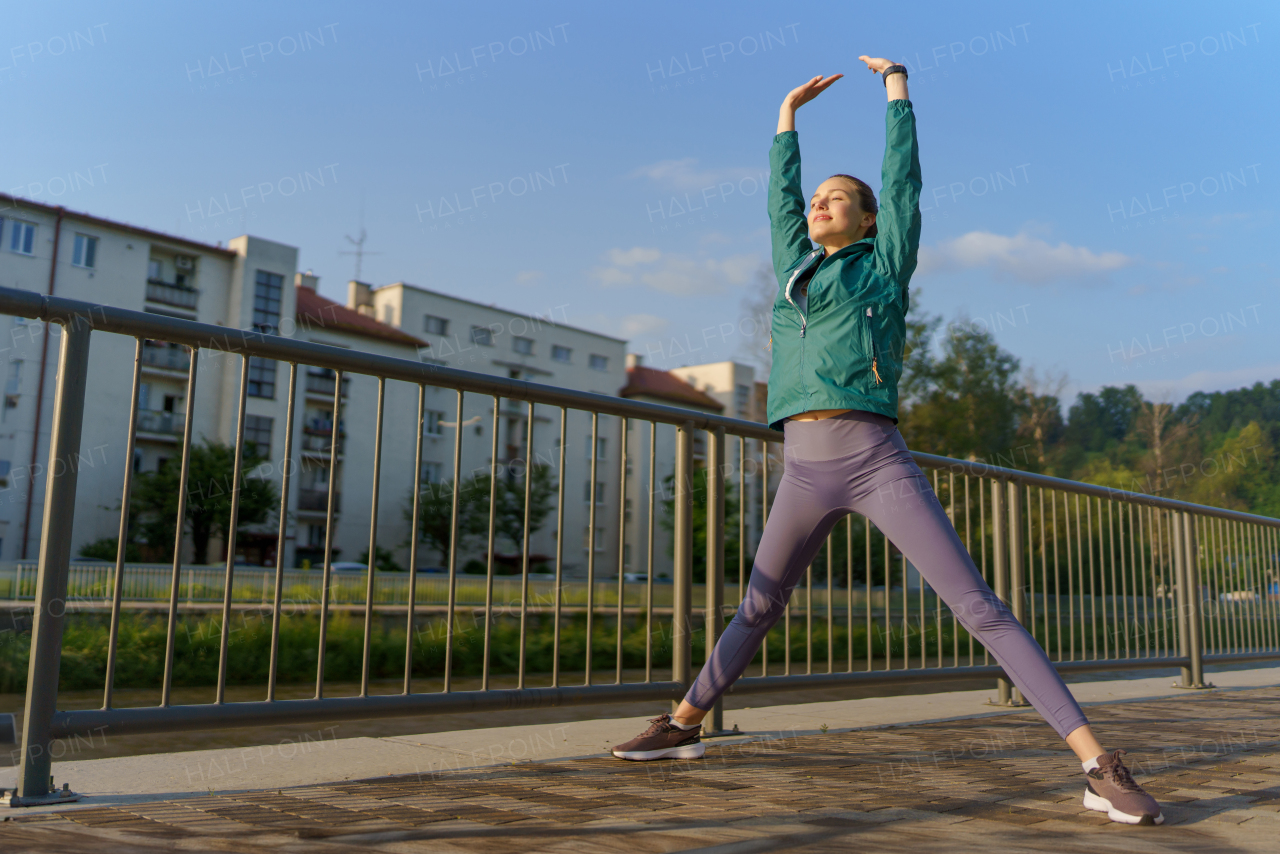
249, 284
486, 339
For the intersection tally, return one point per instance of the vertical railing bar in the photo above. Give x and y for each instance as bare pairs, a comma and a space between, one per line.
1102, 559
764, 520
742, 516
622, 529
1140, 576
172, 627
493, 525
117, 582
1057, 572
1233, 616
968, 545
1079, 564
1261, 537
867, 523
1251, 610
415, 529
682, 588
955, 635
1093, 598
373, 540
982, 537
560, 535
286, 471
906, 611
1124, 579
453, 548
1209, 538
848, 538
831, 650
326, 582
713, 619
53, 567
1158, 571
808, 618
524, 544
648, 586
888, 608
591, 541
1044, 569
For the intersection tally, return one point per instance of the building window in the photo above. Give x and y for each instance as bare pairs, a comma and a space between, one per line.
435, 325
432, 472
742, 398
523, 346
599, 363
586, 538
626, 554
627, 511
22, 237
586, 492
262, 377
155, 270
561, 354
257, 435
86, 250
432, 423
602, 445
482, 335
267, 291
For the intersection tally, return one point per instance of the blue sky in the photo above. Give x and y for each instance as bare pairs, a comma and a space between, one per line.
1099, 178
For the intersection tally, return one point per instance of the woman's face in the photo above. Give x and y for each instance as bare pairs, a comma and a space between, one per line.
834, 210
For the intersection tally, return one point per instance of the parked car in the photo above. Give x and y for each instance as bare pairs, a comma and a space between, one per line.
348, 566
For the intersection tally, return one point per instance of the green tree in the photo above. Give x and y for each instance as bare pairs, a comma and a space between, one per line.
154, 498
108, 547
386, 561
965, 402
699, 499
436, 508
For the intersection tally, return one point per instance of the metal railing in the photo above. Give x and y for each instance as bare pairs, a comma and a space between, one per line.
1105, 579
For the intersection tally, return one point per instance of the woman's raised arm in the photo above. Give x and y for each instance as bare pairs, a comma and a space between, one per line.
788, 226
897, 239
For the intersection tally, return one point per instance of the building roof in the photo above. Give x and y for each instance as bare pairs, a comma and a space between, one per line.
494, 307
667, 386
17, 203
317, 311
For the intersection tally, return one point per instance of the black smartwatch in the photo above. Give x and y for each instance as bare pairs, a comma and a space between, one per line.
892, 69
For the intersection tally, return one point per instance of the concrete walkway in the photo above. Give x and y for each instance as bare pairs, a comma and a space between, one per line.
317, 757
977, 783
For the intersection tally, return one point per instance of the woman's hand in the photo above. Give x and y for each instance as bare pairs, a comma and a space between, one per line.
800, 96
876, 65
896, 87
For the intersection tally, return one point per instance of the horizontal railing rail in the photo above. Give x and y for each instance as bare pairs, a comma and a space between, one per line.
1104, 579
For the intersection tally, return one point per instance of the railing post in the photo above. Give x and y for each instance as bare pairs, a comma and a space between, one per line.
34, 780
1016, 591
1189, 578
1000, 566
1178, 523
682, 587
714, 614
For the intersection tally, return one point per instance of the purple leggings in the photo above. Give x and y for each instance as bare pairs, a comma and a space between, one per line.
857, 462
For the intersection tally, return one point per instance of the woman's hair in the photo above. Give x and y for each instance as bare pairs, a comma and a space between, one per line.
866, 198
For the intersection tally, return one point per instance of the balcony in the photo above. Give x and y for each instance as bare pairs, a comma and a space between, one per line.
163, 423
318, 441
167, 293
322, 384
168, 357
318, 500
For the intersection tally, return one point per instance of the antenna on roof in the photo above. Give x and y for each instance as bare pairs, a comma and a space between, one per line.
359, 251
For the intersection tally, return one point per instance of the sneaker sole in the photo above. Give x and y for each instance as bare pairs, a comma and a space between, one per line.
683, 751
1101, 804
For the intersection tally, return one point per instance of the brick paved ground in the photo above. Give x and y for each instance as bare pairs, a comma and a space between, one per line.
993, 784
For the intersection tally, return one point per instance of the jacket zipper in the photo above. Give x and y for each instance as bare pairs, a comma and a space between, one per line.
794, 276
871, 336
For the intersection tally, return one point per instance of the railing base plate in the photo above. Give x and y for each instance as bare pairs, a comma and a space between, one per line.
1202, 687
1009, 705
57, 796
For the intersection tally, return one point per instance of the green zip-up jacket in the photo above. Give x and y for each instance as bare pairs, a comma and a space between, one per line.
845, 352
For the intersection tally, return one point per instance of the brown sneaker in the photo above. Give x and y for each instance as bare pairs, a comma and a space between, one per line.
663, 740
1111, 789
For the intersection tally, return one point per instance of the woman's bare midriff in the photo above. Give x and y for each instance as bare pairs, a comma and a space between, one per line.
817, 414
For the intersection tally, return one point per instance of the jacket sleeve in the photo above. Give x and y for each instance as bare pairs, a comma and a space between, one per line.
897, 241
789, 228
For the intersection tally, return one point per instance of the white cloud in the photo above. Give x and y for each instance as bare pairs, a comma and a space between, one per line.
684, 175
681, 275
530, 276
1022, 257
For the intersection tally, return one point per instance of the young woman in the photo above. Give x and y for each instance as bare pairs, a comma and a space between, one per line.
838, 331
